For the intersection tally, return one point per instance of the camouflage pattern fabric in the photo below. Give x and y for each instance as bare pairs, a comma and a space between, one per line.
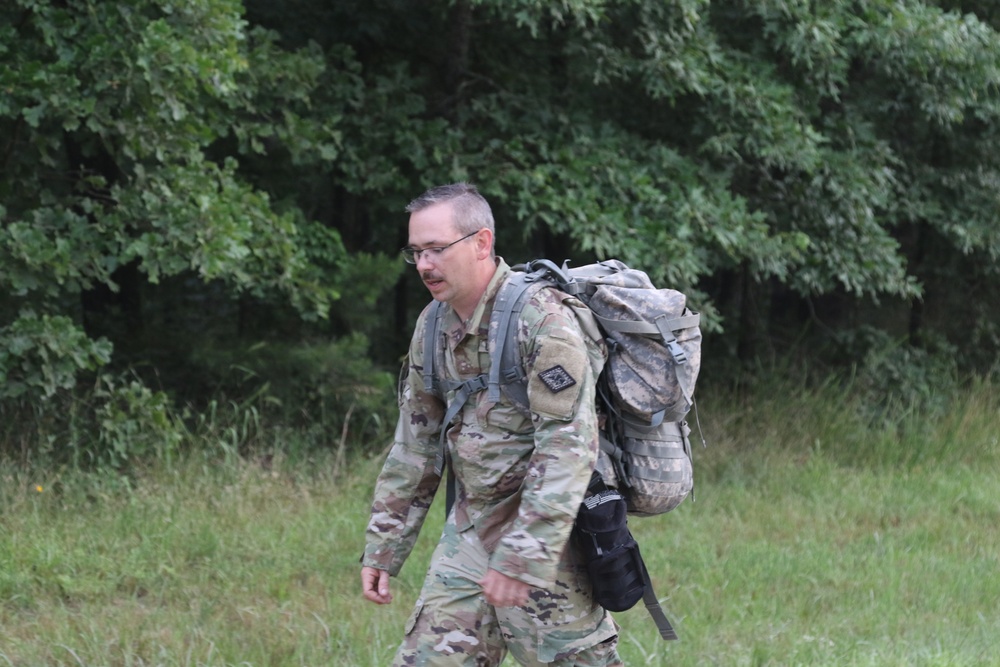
658, 468
648, 379
521, 478
642, 376
452, 624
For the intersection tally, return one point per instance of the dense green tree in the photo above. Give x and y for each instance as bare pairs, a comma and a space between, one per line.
789, 163
113, 115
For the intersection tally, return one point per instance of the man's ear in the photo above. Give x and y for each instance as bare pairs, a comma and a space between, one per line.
484, 243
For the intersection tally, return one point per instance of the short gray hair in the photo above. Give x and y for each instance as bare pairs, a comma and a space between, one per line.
472, 211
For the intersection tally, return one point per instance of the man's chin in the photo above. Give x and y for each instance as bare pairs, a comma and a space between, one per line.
437, 289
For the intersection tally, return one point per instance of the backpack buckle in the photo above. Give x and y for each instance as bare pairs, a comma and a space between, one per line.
677, 352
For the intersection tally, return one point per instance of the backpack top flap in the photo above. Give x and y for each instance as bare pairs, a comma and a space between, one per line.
656, 340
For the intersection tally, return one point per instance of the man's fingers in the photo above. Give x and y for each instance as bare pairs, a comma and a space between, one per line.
503, 591
375, 585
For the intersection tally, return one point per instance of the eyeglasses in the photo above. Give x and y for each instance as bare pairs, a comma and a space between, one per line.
412, 255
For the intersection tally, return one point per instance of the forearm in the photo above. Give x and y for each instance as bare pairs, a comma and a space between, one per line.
403, 494
561, 386
554, 487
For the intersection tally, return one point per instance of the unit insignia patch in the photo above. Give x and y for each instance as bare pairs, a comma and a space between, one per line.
556, 379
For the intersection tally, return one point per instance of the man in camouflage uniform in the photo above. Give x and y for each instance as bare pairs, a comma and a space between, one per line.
504, 576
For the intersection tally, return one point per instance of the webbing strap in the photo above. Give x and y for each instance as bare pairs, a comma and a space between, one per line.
505, 311
686, 388
653, 605
656, 431
670, 340
662, 329
432, 329
653, 436
615, 454
462, 394
662, 450
439, 387
650, 328
639, 424
680, 356
656, 611
627, 326
507, 369
650, 475
623, 571
684, 321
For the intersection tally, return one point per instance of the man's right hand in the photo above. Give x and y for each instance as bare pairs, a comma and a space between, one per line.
375, 585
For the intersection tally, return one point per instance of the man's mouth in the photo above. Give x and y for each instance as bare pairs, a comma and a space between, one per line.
432, 282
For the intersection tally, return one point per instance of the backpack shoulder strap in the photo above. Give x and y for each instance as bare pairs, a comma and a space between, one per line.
503, 354
506, 367
503, 328
432, 329
438, 386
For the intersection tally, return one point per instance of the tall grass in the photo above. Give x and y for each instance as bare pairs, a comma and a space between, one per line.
820, 535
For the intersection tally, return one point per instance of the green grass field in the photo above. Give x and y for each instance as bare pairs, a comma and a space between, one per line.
813, 540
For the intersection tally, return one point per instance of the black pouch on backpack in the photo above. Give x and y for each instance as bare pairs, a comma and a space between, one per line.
611, 553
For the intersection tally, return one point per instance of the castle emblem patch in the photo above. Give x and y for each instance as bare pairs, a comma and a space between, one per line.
556, 379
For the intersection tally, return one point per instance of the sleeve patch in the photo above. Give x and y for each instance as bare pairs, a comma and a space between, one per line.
556, 379
559, 375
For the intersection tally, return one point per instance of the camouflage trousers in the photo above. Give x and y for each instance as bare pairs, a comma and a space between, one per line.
452, 624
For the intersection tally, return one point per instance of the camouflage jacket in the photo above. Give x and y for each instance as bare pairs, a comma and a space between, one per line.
520, 479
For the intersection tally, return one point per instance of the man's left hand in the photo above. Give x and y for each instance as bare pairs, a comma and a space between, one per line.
503, 591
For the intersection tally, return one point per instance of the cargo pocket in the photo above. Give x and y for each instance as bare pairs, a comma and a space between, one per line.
563, 641
411, 622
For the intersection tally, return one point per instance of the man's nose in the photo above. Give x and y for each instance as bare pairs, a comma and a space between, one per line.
423, 261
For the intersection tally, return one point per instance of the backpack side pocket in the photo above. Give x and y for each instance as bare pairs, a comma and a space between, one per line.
609, 551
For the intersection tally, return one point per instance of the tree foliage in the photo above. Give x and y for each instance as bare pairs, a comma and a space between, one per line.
113, 116
787, 162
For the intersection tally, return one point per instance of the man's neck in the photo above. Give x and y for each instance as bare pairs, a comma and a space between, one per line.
468, 307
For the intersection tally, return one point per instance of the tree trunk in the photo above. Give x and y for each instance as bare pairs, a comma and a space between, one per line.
916, 322
748, 323
457, 63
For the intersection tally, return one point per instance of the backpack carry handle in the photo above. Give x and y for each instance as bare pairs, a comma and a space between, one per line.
543, 268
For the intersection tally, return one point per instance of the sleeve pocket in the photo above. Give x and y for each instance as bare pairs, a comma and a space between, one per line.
557, 377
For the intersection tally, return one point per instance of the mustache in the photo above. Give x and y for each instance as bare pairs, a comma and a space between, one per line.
428, 275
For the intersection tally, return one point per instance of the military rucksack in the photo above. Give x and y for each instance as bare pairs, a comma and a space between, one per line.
644, 392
